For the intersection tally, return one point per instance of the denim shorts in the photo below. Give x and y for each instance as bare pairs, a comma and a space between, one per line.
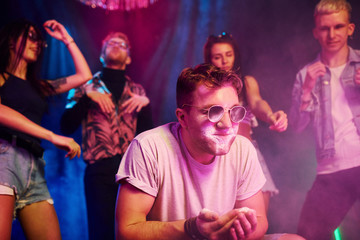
24, 173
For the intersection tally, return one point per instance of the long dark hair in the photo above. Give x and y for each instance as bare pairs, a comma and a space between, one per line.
226, 38
222, 38
9, 35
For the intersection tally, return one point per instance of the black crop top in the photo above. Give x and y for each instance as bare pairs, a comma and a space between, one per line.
21, 96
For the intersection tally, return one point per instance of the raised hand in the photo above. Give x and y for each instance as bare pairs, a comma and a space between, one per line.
313, 72
57, 31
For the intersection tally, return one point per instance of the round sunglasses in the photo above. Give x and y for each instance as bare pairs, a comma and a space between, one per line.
216, 112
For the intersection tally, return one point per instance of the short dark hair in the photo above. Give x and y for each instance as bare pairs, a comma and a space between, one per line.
206, 74
222, 38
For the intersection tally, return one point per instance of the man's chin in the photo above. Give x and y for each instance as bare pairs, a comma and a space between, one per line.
222, 149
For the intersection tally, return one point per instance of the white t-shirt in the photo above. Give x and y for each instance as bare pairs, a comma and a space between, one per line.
158, 163
347, 140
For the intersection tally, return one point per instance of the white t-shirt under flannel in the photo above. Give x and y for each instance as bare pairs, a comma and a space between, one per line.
347, 140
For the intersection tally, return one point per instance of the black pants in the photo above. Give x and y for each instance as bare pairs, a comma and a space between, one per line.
101, 192
327, 203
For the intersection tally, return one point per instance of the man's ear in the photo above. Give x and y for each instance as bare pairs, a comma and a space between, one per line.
181, 115
102, 60
128, 60
351, 29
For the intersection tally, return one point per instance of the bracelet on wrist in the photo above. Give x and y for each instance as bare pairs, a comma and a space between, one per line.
191, 229
268, 116
68, 43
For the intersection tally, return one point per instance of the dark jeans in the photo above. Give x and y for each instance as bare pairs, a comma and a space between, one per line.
327, 203
101, 192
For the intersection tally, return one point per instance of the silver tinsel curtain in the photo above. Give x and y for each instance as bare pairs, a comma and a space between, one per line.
126, 5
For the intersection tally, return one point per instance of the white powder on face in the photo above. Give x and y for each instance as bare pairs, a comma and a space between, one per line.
221, 141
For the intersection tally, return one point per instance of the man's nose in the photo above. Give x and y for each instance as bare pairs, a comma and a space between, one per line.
225, 121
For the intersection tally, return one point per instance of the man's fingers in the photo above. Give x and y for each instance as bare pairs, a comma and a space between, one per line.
130, 107
237, 231
207, 215
224, 221
248, 217
132, 104
130, 93
107, 105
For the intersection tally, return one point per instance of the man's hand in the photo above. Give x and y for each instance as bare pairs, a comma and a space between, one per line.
235, 224
244, 224
357, 77
313, 72
135, 102
104, 100
279, 121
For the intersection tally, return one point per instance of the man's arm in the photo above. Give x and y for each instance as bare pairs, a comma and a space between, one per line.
302, 104
132, 207
261, 109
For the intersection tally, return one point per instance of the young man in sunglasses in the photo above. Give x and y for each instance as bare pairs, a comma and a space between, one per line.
109, 108
326, 95
195, 178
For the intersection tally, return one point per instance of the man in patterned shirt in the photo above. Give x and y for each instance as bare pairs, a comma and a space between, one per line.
108, 106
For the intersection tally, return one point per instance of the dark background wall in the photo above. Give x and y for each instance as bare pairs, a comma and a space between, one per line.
275, 39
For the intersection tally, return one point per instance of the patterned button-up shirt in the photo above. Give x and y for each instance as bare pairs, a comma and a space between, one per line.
106, 135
